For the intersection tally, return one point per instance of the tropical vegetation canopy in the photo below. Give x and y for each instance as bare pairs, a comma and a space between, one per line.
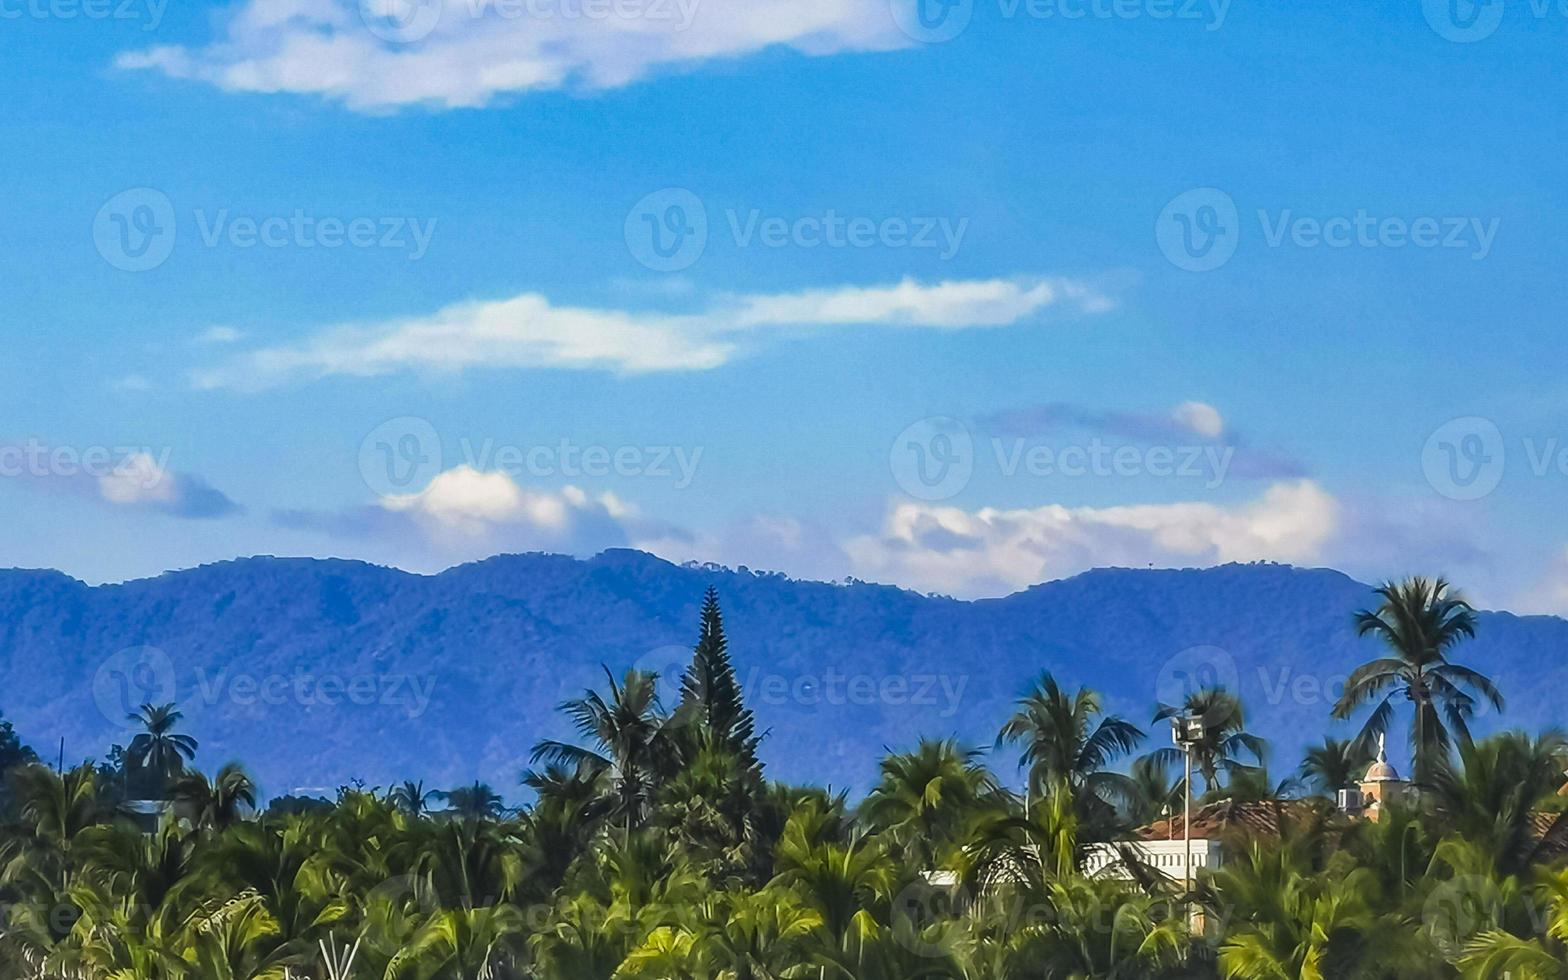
655, 848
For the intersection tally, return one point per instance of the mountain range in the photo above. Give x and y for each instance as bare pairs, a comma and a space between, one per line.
314, 672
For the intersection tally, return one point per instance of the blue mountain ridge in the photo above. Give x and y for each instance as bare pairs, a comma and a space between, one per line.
315, 672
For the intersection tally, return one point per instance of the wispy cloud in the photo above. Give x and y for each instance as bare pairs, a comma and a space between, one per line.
1191, 422
142, 482
219, 335
529, 331
123, 477
467, 53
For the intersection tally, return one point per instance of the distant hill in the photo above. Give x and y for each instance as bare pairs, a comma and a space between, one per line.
315, 672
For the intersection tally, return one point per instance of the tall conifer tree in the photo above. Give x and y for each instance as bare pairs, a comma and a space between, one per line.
710, 692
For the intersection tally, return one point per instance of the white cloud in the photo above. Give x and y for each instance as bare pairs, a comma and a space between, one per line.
479, 50
219, 335
529, 331
467, 501
1203, 419
140, 481
133, 383
467, 513
948, 549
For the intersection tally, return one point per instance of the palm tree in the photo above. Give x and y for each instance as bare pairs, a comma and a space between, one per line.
215, 805
412, 797
158, 748
926, 798
1068, 741
474, 802
633, 743
1302, 922
1420, 620
1154, 794
1334, 765
1225, 740
1491, 798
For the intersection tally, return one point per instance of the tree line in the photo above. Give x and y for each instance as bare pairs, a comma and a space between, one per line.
656, 848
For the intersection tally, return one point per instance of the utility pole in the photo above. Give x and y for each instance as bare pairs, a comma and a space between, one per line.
1187, 731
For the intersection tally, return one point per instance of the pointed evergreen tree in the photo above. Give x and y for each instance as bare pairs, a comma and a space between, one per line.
711, 695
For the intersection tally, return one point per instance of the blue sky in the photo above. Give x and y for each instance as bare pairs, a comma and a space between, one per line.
1164, 283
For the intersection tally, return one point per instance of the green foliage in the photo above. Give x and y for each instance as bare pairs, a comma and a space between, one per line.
654, 849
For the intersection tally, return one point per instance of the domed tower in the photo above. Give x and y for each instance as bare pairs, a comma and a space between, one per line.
1381, 783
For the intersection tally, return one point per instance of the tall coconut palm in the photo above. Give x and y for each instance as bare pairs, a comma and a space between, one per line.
926, 798
473, 802
158, 747
1334, 765
632, 742
1154, 794
412, 798
1225, 742
1491, 797
215, 805
1419, 620
1067, 740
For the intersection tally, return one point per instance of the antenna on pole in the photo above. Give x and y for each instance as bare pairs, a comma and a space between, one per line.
60, 768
